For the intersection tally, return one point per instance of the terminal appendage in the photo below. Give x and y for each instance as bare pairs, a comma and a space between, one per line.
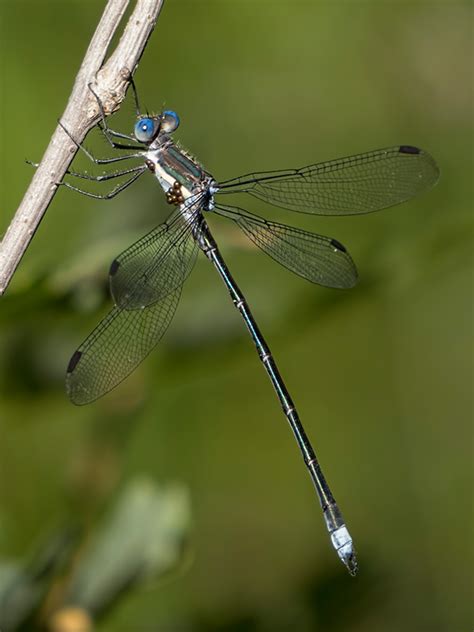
340, 537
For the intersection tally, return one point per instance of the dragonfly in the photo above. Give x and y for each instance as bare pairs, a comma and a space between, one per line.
147, 278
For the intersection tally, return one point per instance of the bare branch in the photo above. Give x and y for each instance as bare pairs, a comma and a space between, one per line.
110, 82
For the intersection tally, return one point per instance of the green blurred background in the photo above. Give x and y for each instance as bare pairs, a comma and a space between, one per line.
382, 374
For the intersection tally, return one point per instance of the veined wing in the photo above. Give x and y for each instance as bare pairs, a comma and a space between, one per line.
157, 263
116, 347
357, 184
314, 257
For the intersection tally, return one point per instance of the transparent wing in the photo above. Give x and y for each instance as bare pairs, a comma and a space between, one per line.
116, 347
316, 258
157, 263
358, 184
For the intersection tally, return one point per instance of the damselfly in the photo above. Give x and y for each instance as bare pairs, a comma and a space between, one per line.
146, 279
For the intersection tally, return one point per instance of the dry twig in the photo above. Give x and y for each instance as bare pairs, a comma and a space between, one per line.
110, 81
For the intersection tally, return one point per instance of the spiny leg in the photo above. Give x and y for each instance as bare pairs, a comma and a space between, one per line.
110, 194
102, 178
99, 161
107, 131
135, 95
110, 132
106, 176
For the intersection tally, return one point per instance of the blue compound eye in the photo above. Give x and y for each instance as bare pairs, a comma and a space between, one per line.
145, 130
169, 121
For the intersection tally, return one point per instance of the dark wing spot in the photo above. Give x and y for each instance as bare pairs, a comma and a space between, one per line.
408, 149
114, 266
337, 245
76, 356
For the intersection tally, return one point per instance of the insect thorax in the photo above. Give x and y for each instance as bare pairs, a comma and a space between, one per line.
176, 170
